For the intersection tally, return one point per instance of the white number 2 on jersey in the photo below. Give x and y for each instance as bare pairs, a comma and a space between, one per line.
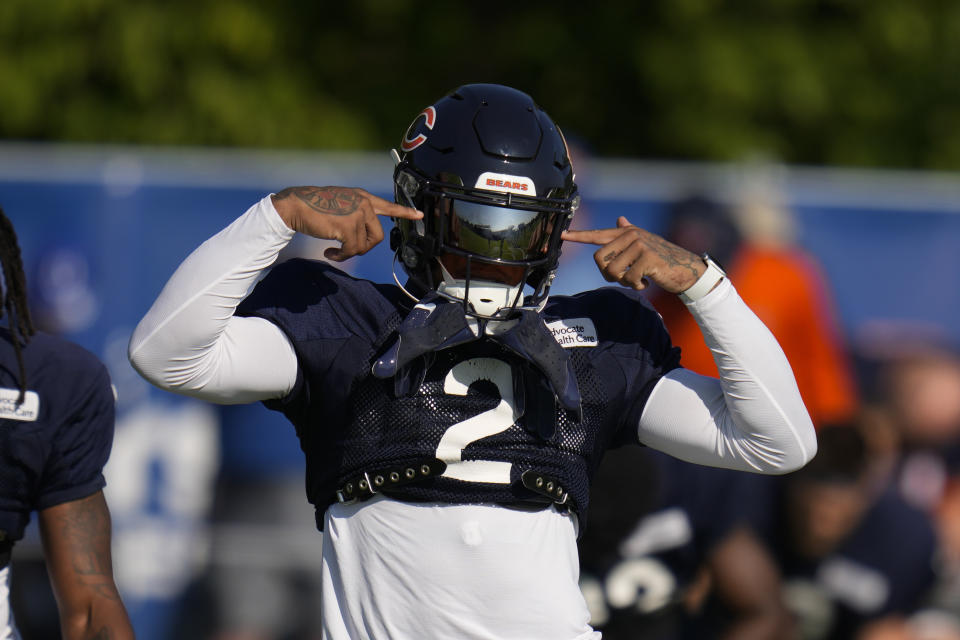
488, 423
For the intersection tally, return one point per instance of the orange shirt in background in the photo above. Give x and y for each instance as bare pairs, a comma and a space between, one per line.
786, 291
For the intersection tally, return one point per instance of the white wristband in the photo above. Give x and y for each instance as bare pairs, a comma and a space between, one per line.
705, 283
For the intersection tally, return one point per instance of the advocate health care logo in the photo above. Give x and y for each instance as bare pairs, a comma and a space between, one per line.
27, 411
574, 332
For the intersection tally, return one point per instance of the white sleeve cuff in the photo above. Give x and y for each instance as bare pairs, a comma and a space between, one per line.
711, 276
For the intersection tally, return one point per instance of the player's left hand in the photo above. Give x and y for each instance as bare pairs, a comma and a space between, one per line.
633, 257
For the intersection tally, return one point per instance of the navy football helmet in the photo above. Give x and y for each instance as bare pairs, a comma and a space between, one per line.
491, 172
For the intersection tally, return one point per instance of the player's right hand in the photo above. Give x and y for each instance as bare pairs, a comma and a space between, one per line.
345, 214
632, 256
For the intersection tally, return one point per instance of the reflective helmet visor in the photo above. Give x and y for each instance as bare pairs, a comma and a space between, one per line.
498, 233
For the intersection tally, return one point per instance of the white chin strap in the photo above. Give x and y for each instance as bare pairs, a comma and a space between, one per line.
486, 297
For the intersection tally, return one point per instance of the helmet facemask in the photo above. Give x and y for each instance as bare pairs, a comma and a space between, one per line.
480, 247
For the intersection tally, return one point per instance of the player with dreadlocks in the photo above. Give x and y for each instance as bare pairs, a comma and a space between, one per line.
56, 430
15, 296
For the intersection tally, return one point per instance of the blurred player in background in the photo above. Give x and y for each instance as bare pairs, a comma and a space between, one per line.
56, 429
782, 285
452, 425
820, 554
915, 431
919, 392
663, 536
851, 556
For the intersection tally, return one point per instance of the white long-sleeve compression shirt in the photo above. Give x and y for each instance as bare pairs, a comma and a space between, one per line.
190, 342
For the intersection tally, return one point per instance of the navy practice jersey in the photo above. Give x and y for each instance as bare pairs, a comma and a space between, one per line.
655, 521
476, 395
52, 446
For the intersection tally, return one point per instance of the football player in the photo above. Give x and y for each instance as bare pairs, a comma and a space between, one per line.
56, 429
671, 552
851, 555
451, 423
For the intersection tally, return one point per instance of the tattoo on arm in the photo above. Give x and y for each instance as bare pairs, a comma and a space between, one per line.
76, 543
334, 201
82, 529
676, 256
89, 533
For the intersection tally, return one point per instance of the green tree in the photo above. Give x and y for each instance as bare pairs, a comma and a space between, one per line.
851, 82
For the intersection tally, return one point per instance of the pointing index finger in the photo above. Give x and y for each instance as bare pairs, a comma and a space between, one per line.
385, 208
592, 236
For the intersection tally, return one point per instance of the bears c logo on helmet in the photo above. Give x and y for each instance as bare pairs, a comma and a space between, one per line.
430, 117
